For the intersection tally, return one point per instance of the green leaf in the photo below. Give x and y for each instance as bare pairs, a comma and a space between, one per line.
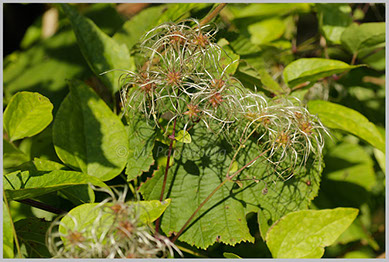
183, 137
88, 136
259, 77
86, 214
12, 156
8, 237
44, 67
100, 51
200, 167
346, 119
179, 11
333, 20
134, 29
228, 58
77, 194
376, 60
32, 237
141, 137
26, 184
266, 31
26, 115
304, 234
357, 231
268, 10
312, 69
230, 255
380, 157
358, 37
350, 163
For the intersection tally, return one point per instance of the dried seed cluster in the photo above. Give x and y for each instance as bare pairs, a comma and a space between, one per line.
116, 232
183, 75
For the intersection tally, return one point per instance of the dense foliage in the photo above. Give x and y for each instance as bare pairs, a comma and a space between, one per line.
196, 130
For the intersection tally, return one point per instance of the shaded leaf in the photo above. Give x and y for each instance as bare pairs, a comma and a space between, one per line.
100, 51
88, 136
333, 19
340, 117
358, 37
44, 67
305, 233
12, 156
200, 167
312, 69
141, 137
26, 115
77, 194
350, 163
25, 184
32, 237
134, 29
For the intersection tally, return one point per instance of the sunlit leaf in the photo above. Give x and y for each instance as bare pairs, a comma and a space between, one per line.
27, 114
312, 69
88, 136
340, 117
305, 233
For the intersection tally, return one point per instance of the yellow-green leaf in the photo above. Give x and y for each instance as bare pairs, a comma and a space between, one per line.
27, 114
305, 233
340, 117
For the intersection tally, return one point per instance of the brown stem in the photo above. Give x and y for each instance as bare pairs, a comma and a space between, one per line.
42, 206
213, 192
354, 58
212, 14
172, 137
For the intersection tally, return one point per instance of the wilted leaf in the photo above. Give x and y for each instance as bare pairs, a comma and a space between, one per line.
340, 117
305, 233
88, 136
26, 115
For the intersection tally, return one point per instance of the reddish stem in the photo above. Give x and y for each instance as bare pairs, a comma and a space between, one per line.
213, 192
172, 137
